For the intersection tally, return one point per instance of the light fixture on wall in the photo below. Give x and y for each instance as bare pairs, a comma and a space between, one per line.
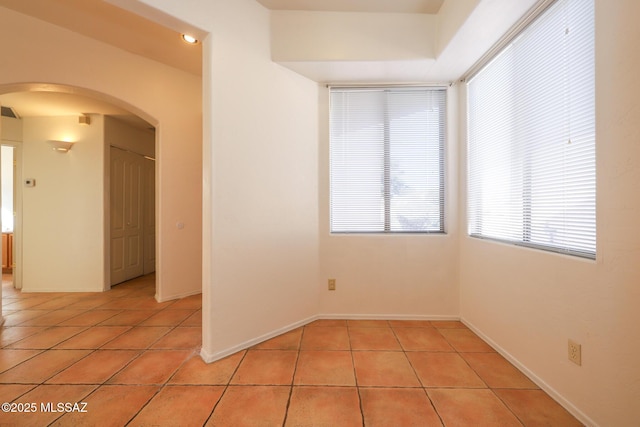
84, 120
60, 146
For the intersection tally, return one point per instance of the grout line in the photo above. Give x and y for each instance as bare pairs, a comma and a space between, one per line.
226, 386
508, 407
293, 377
355, 375
25, 360
144, 406
433, 406
139, 352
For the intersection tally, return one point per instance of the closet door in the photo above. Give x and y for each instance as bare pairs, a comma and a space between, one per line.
127, 242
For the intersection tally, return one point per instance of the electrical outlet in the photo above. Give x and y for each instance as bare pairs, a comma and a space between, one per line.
332, 284
575, 353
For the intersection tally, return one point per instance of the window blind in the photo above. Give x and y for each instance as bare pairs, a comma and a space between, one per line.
531, 136
387, 160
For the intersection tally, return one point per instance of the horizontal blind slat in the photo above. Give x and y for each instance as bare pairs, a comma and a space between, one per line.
531, 136
387, 159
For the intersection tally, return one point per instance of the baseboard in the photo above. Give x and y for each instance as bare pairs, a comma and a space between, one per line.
174, 297
387, 317
212, 357
56, 290
581, 416
208, 357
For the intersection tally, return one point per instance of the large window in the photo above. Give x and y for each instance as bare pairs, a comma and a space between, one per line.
387, 160
531, 136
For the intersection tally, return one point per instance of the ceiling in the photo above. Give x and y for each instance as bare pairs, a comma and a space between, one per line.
102, 20
387, 6
107, 23
110, 24
47, 104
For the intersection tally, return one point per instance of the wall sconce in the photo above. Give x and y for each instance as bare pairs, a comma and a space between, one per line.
84, 120
60, 146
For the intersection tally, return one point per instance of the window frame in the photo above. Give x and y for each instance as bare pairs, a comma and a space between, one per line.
526, 169
386, 157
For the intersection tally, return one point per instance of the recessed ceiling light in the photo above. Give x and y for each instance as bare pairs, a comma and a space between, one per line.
189, 39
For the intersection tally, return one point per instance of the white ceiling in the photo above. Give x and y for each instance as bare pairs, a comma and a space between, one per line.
47, 104
386, 6
108, 23
39, 104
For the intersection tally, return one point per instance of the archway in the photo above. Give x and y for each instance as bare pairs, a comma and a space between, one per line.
67, 212
52, 58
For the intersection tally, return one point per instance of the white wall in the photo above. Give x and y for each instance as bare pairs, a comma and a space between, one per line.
265, 177
262, 230
44, 53
451, 18
396, 276
122, 135
351, 36
352, 46
261, 180
529, 303
63, 221
11, 130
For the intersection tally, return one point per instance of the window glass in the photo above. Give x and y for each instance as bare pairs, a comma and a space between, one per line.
531, 136
387, 160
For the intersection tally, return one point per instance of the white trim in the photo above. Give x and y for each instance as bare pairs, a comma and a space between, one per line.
581, 416
555, 395
385, 85
388, 317
57, 290
174, 297
208, 358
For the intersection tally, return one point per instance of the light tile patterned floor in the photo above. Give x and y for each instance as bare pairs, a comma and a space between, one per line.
135, 362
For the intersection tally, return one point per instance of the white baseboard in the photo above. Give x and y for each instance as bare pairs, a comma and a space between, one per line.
208, 358
212, 357
173, 297
56, 290
387, 317
581, 416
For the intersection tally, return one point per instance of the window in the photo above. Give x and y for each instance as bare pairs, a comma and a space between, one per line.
387, 160
531, 136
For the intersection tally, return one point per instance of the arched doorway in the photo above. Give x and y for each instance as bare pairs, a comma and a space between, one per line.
63, 228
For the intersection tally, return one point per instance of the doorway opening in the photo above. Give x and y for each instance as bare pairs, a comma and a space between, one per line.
8, 163
132, 220
59, 238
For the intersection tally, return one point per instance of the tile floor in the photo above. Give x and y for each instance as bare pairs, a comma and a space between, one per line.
135, 362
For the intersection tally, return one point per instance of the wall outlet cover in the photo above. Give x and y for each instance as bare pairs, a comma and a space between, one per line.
575, 352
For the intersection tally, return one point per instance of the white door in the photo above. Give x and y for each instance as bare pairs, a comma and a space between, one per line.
127, 242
